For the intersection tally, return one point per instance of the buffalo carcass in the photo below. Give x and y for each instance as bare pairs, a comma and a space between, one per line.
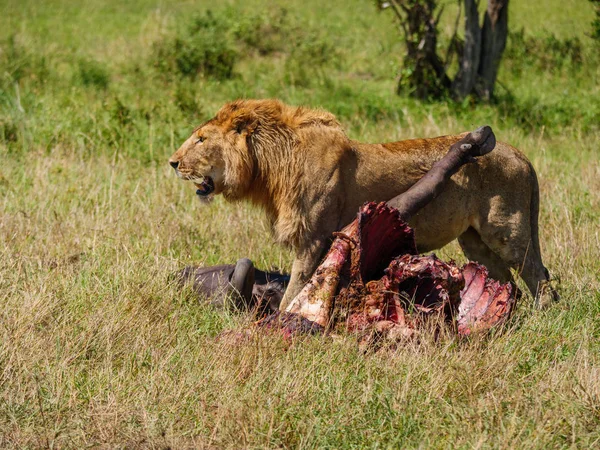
240, 285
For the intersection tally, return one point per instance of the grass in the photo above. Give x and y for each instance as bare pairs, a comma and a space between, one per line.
98, 348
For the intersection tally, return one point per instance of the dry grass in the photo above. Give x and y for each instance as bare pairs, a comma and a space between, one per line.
98, 348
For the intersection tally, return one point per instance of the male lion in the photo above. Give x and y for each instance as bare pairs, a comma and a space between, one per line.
299, 165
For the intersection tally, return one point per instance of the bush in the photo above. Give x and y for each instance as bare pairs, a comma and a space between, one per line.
204, 47
267, 32
212, 43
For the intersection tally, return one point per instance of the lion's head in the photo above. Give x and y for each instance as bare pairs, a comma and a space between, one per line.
216, 157
250, 149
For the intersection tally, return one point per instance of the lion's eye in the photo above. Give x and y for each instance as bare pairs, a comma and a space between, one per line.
200, 139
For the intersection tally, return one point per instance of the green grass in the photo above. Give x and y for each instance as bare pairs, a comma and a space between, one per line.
98, 348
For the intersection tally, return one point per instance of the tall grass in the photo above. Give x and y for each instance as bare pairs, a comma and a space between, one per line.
99, 348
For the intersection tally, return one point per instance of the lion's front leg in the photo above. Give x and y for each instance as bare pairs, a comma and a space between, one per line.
304, 265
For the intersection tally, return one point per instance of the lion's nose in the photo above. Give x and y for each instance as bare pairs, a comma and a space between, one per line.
174, 164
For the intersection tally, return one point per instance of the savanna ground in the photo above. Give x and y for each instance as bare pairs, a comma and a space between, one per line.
98, 348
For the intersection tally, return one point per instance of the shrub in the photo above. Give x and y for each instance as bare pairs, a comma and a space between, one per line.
203, 47
211, 44
267, 32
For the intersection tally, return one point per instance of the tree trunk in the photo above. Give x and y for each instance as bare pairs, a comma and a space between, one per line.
493, 41
424, 72
469, 65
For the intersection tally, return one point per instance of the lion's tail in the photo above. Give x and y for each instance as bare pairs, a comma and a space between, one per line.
534, 215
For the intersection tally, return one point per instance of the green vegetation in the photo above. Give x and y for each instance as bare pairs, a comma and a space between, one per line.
98, 347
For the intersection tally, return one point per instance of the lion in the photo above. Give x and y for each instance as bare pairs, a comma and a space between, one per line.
299, 165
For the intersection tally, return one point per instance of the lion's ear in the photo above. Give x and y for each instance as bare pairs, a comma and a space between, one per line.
246, 123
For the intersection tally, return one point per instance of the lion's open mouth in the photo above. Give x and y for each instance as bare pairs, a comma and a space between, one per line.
206, 187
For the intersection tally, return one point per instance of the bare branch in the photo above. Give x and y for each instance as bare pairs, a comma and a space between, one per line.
398, 13
403, 6
448, 57
439, 15
396, 9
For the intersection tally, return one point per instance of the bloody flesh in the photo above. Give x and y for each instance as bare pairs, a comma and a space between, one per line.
411, 288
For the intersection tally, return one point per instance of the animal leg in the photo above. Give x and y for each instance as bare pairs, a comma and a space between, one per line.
537, 277
476, 250
511, 241
302, 269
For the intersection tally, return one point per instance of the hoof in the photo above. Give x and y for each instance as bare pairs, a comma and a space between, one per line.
546, 295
